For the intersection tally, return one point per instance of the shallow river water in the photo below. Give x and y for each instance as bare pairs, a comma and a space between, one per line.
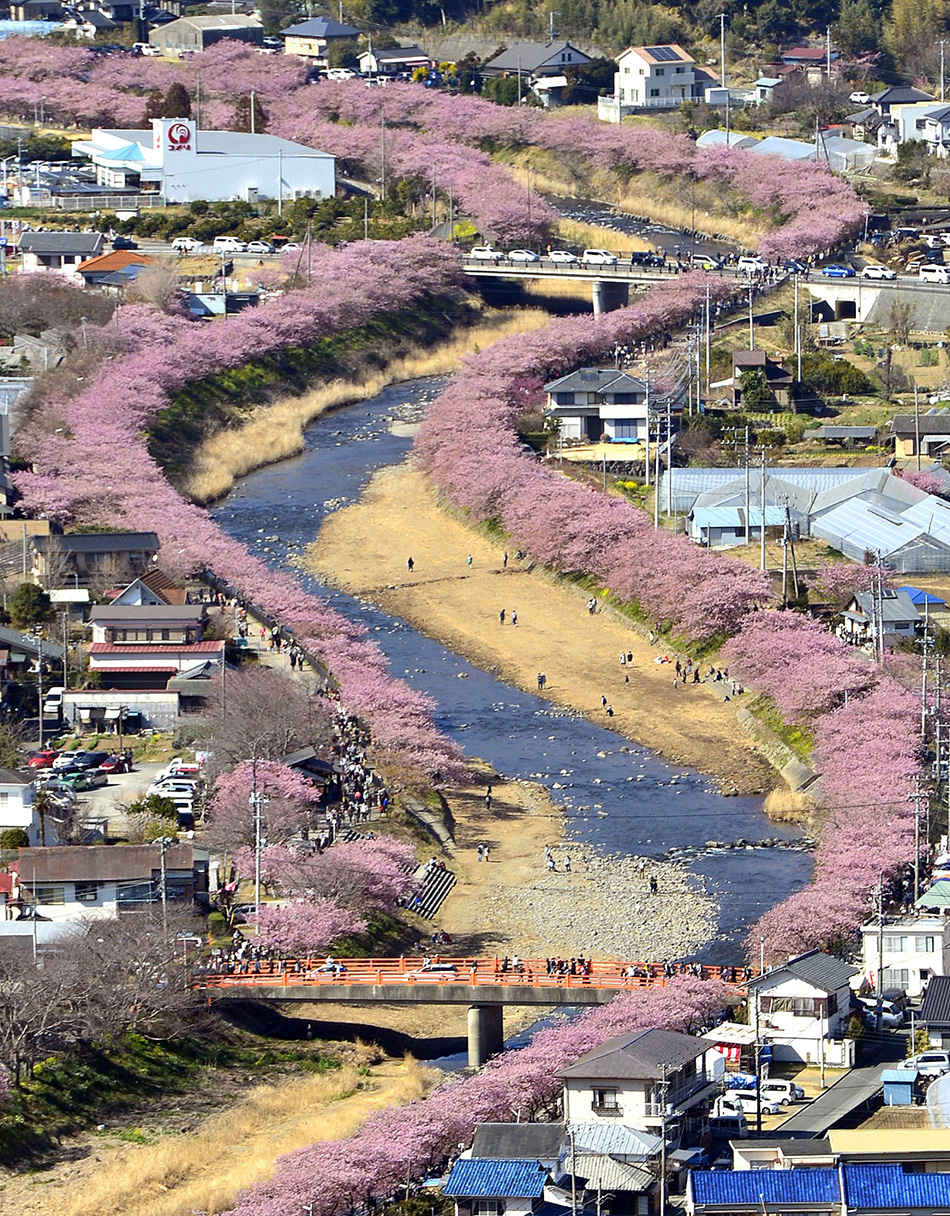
621, 801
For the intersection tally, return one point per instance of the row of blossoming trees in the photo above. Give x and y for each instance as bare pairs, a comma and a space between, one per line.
443, 139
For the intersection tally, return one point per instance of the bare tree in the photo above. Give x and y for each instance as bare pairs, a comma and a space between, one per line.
900, 320
158, 285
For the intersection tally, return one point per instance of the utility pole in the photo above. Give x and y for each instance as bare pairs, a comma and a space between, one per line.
669, 457
39, 668
917, 797
762, 509
708, 336
656, 476
664, 1085
751, 319
256, 800
943, 43
382, 158
917, 424
828, 52
648, 439
163, 843
798, 338
722, 50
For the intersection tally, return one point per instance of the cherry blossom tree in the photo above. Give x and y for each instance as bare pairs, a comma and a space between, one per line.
305, 927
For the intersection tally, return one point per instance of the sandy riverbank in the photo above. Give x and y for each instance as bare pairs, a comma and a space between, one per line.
275, 432
364, 550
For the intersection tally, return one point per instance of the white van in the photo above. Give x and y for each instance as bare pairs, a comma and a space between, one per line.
598, 257
745, 1102
752, 265
778, 1090
228, 244
729, 1127
53, 703
932, 273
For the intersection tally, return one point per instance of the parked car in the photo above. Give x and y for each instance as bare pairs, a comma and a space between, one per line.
930, 1063
795, 265
228, 244
869, 1004
166, 789
563, 256
43, 759
705, 261
878, 272
859, 97
745, 1102
485, 253
646, 257
733, 1126
837, 271
186, 244
598, 257
340, 74
931, 240
179, 767
930, 272
888, 1021
260, 247
93, 779
522, 255
68, 759
124, 242
777, 1089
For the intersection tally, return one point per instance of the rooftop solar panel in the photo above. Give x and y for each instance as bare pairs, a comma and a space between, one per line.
662, 54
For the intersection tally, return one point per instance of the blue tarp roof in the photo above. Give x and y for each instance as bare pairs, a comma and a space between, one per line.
916, 596
128, 152
768, 1186
494, 1177
888, 1186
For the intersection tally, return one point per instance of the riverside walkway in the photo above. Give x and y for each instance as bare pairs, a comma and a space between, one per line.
486, 985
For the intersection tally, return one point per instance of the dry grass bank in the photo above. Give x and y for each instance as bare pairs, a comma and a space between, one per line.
204, 1170
590, 235
788, 806
274, 432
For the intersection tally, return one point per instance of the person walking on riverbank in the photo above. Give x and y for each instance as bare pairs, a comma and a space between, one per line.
542, 680
468, 560
410, 564
514, 618
504, 560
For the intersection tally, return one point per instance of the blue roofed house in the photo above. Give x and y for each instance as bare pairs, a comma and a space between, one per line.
864, 1189
312, 39
496, 1186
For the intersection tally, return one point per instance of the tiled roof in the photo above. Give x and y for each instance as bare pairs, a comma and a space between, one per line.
319, 27
607, 1137
517, 1140
888, 1186
816, 968
117, 260
641, 1056
759, 1188
172, 649
596, 380
493, 1178
88, 243
97, 542
935, 1010
603, 1173
142, 613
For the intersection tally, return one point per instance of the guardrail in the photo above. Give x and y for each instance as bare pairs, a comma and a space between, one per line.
471, 972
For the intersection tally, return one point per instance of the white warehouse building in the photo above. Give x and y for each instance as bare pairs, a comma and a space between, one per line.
183, 164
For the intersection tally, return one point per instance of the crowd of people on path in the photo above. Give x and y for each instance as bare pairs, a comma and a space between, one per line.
362, 792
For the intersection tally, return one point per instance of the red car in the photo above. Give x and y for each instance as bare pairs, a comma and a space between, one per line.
114, 764
42, 759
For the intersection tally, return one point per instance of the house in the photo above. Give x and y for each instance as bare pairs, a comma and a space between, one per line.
536, 60
539, 1142
782, 1154
804, 56
640, 1080
897, 95
17, 806
124, 711
801, 1007
190, 34
311, 40
148, 665
905, 951
735, 1042
724, 527
496, 1186
653, 78
87, 23
933, 427
765, 88
21, 652
593, 402
393, 61
776, 379
848, 1190
929, 607
935, 1011
114, 271
182, 164
103, 880
846, 436
92, 556
59, 252
864, 124
865, 620
169, 624
153, 587
926, 122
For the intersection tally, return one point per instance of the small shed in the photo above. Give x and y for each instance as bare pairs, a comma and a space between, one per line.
900, 1086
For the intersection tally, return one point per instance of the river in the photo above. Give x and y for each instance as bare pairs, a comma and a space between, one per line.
618, 797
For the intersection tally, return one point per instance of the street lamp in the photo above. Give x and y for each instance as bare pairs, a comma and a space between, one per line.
163, 842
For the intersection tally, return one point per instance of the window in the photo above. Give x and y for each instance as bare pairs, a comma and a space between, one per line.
87, 892
654, 92
896, 977
625, 430
49, 895
485, 1207
925, 945
4, 799
604, 1099
894, 944
660, 72
165, 635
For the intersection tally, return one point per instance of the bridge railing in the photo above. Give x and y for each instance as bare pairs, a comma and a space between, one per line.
477, 972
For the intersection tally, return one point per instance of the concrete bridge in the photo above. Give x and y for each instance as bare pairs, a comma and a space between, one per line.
485, 985
860, 299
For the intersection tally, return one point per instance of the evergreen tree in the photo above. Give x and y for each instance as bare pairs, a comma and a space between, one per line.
177, 102
154, 107
242, 114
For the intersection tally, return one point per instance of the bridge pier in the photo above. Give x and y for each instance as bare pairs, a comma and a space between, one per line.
486, 1035
609, 295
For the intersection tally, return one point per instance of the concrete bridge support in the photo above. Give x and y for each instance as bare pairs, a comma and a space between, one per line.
609, 295
486, 1035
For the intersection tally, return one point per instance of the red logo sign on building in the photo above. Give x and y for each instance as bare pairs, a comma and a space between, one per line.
179, 137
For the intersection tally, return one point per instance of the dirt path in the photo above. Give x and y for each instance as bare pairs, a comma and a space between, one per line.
364, 550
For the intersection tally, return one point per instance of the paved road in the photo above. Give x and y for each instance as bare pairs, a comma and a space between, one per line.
108, 803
